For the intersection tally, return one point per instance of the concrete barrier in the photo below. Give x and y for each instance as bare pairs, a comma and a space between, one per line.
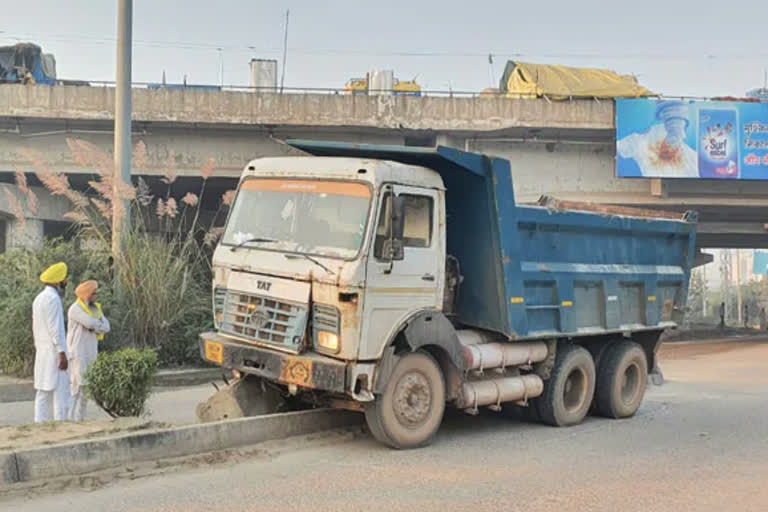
22, 390
8, 470
92, 455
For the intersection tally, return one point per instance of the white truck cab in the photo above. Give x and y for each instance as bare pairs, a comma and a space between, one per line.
306, 269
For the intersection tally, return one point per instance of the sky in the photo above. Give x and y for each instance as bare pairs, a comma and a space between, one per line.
676, 48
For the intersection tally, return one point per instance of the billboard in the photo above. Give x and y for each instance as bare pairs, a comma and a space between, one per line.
691, 139
760, 263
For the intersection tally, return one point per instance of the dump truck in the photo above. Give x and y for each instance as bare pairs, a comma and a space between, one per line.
397, 281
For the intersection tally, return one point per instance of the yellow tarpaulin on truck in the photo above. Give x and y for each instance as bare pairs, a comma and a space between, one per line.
524, 80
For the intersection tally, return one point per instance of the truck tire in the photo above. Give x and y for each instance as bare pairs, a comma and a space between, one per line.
410, 409
597, 351
569, 390
621, 380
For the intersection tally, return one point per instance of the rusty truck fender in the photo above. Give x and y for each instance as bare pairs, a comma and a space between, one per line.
430, 331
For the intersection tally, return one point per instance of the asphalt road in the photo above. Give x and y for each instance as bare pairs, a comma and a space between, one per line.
699, 443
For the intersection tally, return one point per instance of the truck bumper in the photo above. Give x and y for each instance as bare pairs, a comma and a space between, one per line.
311, 370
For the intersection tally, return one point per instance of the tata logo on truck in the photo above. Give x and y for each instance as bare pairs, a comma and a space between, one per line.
263, 285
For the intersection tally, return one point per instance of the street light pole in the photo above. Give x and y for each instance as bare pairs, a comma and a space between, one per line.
120, 206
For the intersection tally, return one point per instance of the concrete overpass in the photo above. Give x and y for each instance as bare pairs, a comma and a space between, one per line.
563, 149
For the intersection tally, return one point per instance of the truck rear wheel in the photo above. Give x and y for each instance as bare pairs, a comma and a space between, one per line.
621, 380
409, 411
569, 390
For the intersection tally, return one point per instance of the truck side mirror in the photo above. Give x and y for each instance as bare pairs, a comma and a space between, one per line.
392, 246
392, 249
398, 217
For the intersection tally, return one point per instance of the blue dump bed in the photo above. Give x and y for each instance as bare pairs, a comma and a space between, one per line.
554, 270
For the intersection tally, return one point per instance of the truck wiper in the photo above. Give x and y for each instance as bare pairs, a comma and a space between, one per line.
252, 241
310, 258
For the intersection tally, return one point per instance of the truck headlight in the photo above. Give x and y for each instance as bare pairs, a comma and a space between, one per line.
219, 295
328, 341
325, 328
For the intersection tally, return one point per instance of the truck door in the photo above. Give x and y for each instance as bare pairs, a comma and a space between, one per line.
395, 288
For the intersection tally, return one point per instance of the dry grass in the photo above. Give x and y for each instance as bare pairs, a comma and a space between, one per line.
139, 157
212, 236
169, 175
78, 218
90, 156
164, 280
190, 199
171, 208
104, 208
15, 206
160, 209
208, 169
21, 183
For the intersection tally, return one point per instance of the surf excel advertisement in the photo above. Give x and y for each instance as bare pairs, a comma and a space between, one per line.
691, 139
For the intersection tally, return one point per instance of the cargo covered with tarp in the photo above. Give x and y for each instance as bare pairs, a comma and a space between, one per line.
26, 63
525, 80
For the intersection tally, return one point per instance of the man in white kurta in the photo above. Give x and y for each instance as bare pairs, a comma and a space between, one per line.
51, 377
87, 325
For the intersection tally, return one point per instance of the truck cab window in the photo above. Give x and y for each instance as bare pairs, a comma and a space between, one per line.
417, 222
382, 228
417, 228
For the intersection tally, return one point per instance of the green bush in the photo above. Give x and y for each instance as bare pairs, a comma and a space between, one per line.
120, 382
19, 284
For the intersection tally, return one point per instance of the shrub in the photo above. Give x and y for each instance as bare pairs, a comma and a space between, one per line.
120, 382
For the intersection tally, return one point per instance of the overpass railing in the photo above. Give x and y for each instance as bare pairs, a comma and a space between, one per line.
487, 93
279, 90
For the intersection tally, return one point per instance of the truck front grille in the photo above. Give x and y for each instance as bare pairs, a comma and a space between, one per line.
264, 319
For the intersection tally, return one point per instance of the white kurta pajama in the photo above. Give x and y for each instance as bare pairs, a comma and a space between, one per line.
52, 384
83, 347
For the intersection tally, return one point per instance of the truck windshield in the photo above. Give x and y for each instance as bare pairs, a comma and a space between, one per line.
326, 218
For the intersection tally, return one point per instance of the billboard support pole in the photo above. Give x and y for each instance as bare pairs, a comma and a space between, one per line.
738, 287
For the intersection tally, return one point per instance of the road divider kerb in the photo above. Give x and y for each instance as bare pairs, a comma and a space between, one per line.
79, 457
24, 391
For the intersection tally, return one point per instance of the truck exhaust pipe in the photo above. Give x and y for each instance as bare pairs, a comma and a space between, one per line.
494, 392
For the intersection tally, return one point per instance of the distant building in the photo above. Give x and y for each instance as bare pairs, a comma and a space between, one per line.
760, 94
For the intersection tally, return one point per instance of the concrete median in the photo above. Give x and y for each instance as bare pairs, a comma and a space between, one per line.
22, 390
92, 455
8, 470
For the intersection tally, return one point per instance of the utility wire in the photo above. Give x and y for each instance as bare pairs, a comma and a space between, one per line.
382, 52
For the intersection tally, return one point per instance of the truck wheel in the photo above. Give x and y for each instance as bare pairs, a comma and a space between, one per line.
409, 411
569, 390
621, 380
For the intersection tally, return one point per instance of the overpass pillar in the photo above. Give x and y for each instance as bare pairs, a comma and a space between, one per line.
28, 235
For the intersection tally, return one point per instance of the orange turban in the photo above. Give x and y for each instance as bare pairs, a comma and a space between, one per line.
85, 289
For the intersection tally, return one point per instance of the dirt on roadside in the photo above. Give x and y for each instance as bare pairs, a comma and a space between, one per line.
688, 350
701, 332
29, 436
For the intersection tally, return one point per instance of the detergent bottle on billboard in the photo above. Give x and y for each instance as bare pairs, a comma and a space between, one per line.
718, 143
